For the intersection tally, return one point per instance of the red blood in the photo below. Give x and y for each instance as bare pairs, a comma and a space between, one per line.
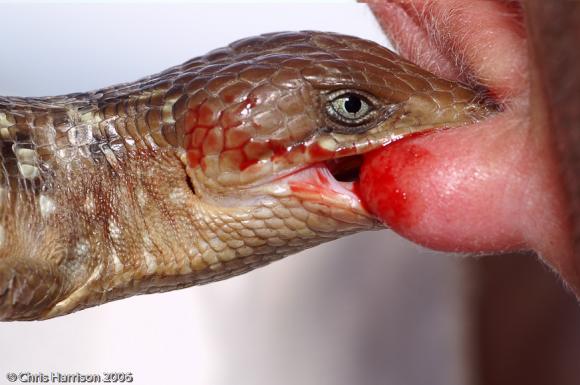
250, 102
384, 189
317, 184
317, 153
213, 142
193, 156
278, 148
205, 116
191, 120
247, 163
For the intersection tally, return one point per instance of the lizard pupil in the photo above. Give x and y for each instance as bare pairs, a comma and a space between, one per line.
352, 104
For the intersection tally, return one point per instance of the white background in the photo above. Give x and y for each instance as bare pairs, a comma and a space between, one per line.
367, 309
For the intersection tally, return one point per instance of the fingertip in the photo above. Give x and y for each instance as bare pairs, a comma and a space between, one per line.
471, 189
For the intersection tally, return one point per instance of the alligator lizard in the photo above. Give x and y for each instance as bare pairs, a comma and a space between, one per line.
207, 170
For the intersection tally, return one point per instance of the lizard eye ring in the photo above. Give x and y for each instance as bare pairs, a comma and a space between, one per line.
350, 111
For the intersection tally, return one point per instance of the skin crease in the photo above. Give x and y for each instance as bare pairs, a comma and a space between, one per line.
491, 187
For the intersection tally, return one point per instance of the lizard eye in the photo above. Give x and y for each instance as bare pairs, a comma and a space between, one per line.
350, 111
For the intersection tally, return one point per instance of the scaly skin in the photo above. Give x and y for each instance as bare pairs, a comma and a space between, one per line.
204, 171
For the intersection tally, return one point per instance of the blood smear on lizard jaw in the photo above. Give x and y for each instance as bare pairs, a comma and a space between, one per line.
387, 180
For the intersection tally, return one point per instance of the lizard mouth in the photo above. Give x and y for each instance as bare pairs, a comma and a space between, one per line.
346, 169
333, 183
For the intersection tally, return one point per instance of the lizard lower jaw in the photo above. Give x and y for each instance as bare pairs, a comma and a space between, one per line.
332, 183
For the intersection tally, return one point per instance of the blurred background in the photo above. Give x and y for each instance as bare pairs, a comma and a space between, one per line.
366, 309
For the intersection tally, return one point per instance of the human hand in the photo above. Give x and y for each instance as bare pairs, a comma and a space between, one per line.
492, 187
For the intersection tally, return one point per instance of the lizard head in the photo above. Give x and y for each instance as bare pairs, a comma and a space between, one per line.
278, 124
